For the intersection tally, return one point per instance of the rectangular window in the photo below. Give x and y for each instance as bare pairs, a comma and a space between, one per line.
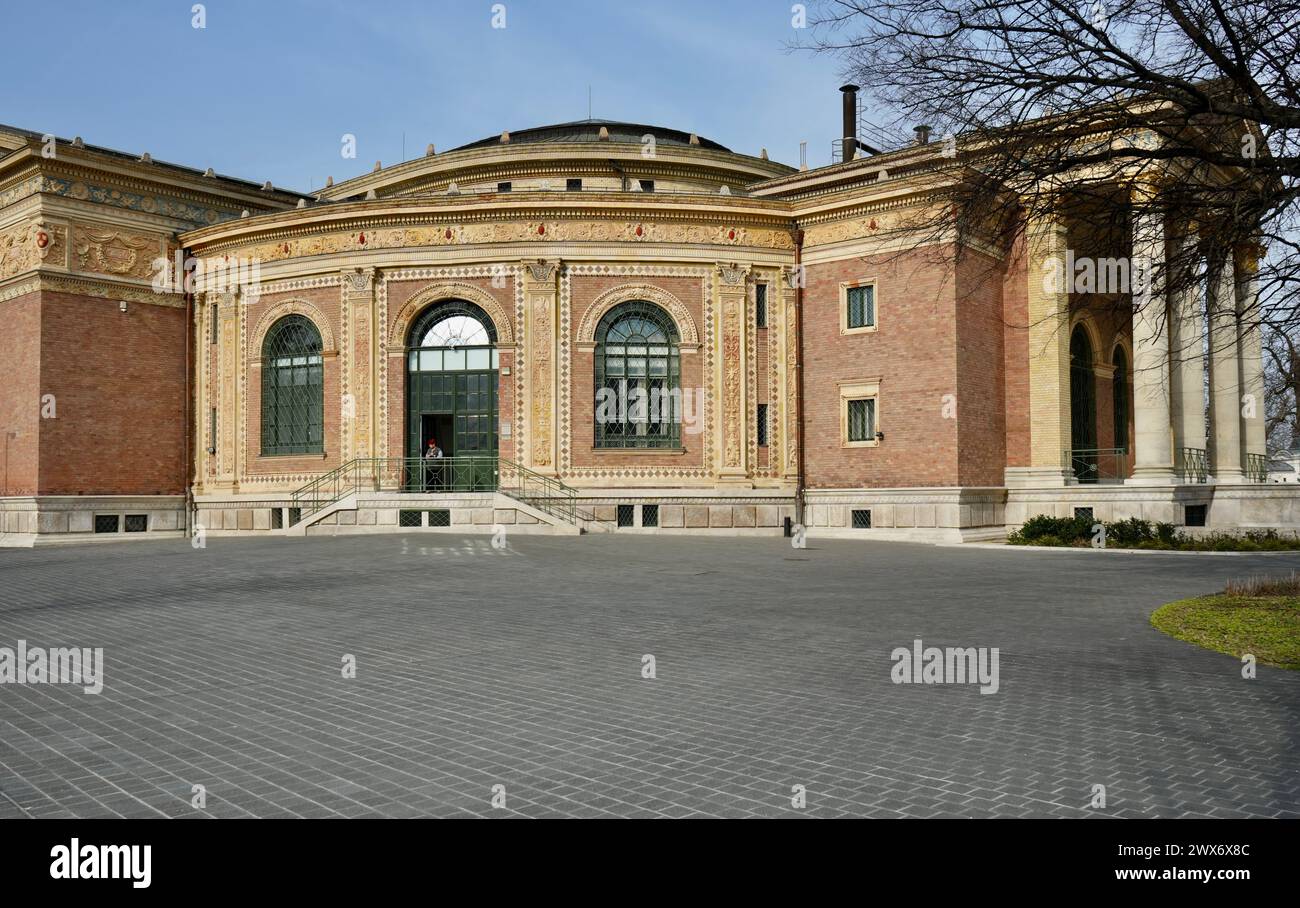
212, 431
860, 306
410, 518
440, 518
137, 523
762, 424
212, 329
295, 514
625, 515
106, 523
1085, 513
504, 187
1194, 515
861, 518
760, 305
574, 185
649, 515
862, 419
277, 518
647, 185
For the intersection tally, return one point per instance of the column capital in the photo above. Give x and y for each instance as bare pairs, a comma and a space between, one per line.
540, 271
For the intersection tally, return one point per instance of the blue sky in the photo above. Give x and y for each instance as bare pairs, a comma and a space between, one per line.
267, 89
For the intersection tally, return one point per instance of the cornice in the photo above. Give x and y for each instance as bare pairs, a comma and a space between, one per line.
753, 169
449, 211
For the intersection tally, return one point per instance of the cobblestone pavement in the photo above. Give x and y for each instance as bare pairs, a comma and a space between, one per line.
523, 668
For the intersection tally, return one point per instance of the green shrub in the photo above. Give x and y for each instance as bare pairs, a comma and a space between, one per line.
1061, 530
1135, 533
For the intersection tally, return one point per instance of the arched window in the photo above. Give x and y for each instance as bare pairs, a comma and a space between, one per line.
453, 323
293, 388
1119, 388
638, 378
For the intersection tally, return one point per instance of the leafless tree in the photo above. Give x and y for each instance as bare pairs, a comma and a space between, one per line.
1200, 96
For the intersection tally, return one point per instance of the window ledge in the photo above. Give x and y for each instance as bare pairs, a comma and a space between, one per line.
596, 450
318, 455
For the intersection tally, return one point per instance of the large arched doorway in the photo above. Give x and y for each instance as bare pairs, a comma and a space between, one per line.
451, 381
1083, 407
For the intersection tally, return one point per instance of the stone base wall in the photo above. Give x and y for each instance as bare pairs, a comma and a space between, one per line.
919, 515
741, 513
468, 512
1228, 507
51, 519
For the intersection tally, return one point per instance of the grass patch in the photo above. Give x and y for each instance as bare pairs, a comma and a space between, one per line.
1266, 626
1133, 533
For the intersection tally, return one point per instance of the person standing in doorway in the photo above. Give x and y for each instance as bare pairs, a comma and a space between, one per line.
432, 467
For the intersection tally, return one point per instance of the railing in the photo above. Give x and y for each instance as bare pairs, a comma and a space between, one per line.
1096, 465
1257, 467
543, 492
1192, 465
465, 473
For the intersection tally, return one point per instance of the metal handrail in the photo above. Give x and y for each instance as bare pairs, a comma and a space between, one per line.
1192, 465
463, 473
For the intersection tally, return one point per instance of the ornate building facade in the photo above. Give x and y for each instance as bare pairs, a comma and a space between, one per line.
605, 326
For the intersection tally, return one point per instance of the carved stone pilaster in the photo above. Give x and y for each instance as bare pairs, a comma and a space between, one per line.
358, 364
734, 395
227, 393
540, 351
789, 390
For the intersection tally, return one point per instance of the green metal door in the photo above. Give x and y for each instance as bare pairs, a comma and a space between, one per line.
440, 390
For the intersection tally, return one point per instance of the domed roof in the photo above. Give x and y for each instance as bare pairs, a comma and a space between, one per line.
588, 131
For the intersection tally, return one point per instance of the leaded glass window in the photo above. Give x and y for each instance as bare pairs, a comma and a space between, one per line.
293, 388
638, 378
862, 419
862, 306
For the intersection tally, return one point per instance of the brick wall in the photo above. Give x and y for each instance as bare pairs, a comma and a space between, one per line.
981, 411
912, 352
20, 352
119, 383
1015, 351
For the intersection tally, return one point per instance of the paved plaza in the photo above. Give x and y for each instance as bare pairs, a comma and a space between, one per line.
523, 668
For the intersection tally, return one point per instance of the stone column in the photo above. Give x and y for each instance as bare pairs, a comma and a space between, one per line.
1153, 455
1225, 372
356, 366
1188, 368
1049, 355
539, 354
1253, 440
732, 283
789, 390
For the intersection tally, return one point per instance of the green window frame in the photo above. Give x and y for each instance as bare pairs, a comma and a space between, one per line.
862, 419
1119, 388
293, 388
861, 301
637, 378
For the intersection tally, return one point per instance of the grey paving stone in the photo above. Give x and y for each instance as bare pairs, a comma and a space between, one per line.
223, 668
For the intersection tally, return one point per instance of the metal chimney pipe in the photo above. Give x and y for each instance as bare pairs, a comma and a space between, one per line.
849, 139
